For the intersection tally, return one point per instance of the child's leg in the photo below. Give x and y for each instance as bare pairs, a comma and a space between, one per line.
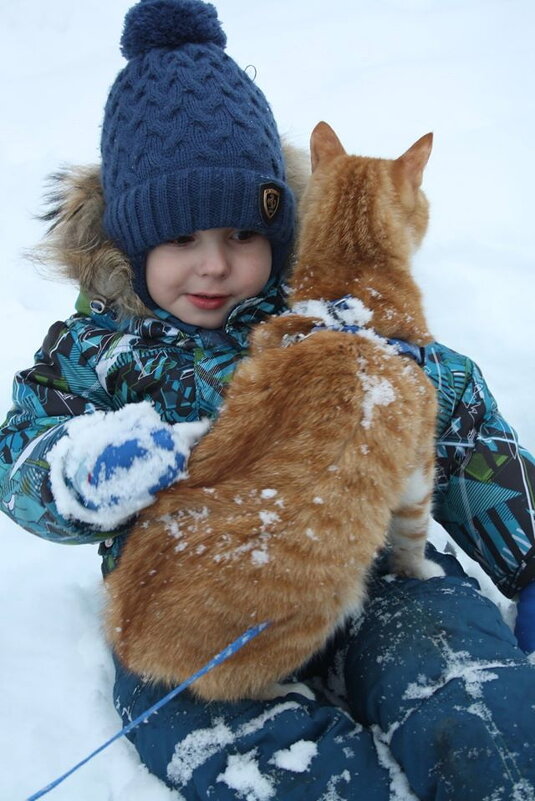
289, 749
436, 673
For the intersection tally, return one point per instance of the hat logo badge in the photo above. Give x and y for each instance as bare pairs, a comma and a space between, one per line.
271, 197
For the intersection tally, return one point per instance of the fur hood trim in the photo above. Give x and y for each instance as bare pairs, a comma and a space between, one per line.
77, 248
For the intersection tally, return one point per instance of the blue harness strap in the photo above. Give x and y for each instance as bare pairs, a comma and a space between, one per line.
403, 347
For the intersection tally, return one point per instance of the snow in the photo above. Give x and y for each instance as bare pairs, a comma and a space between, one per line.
460, 666
196, 749
115, 498
243, 774
354, 313
268, 518
201, 744
260, 556
297, 758
399, 787
377, 392
389, 72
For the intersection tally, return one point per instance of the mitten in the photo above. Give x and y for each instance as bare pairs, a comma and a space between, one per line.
525, 619
109, 465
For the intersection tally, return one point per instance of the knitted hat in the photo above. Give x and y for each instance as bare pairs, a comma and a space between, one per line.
188, 141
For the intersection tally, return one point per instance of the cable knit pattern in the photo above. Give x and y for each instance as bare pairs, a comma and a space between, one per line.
188, 140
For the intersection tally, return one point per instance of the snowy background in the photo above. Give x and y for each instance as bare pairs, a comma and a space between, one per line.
382, 73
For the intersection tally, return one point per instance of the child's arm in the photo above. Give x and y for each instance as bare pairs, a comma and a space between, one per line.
92, 492
485, 494
60, 386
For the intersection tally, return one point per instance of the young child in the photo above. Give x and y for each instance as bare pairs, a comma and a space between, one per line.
178, 255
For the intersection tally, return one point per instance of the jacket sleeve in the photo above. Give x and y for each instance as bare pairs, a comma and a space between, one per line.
485, 486
60, 385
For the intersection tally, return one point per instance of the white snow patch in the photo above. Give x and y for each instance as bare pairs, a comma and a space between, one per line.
461, 666
522, 791
399, 786
260, 556
377, 392
259, 722
332, 794
268, 518
195, 749
372, 336
243, 775
297, 758
201, 744
356, 312
268, 493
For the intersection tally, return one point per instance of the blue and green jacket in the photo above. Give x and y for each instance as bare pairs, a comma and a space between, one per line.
485, 481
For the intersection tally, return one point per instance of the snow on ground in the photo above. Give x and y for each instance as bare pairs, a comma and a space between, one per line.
382, 73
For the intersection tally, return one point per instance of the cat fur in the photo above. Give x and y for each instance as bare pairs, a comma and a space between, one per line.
323, 451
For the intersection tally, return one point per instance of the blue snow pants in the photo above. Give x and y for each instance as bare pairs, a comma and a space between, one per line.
426, 696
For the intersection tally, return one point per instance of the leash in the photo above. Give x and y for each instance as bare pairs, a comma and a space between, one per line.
222, 656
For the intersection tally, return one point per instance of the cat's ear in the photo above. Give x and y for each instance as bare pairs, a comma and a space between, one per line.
415, 159
324, 145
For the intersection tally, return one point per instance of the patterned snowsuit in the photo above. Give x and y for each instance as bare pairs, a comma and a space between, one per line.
485, 488
427, 679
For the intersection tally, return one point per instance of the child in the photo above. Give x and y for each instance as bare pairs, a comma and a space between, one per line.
198, 219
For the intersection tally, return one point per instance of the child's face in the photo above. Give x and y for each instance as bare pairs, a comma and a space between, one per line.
199, 278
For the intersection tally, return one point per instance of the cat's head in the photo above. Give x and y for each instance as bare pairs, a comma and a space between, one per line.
373, 208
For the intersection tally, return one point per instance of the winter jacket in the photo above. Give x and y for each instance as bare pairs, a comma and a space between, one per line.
92, 362
115, 351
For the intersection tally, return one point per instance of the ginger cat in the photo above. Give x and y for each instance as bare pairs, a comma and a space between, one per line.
325, 446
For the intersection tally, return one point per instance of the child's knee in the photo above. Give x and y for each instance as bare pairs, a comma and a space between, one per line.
292, 746
417, 630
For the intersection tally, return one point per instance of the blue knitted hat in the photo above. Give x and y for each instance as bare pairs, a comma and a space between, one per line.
188, 141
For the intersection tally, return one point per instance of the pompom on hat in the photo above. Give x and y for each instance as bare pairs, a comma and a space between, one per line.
188, 140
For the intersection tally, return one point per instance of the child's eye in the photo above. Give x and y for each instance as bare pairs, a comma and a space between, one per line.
244, 236
182, 240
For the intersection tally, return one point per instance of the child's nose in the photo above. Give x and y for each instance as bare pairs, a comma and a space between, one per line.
215, 262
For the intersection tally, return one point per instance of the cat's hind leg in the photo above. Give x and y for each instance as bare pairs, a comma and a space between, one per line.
409, 526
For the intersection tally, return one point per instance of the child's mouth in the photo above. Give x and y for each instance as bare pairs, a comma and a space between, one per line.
208, 302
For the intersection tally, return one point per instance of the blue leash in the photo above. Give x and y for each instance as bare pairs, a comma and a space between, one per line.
217, 660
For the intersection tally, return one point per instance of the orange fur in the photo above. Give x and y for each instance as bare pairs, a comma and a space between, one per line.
291, 494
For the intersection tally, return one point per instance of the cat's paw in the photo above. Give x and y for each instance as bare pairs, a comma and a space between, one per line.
430, 569
427, 569
422, 569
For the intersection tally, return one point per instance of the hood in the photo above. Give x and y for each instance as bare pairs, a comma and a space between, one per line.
77, 248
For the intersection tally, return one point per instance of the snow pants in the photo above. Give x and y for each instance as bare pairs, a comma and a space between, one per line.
426, 696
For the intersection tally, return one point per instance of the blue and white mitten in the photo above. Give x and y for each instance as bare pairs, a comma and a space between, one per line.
109, 465
525, 619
